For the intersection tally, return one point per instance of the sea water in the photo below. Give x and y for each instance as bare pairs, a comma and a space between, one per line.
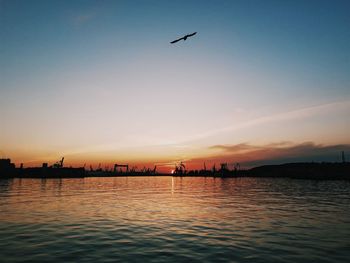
174, 219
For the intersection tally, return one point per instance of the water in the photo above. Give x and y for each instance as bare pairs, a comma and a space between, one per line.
165, 219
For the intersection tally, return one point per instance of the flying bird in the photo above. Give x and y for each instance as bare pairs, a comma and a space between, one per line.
183, 38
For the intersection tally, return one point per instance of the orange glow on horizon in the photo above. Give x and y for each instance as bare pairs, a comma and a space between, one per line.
247, 155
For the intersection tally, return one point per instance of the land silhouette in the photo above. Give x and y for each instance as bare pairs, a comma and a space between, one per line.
302, 170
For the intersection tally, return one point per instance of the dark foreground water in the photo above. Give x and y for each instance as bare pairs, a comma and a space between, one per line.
165, 219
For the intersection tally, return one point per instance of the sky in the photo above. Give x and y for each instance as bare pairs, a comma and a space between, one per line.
99, 82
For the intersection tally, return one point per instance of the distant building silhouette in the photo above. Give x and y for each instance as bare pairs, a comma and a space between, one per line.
7, 168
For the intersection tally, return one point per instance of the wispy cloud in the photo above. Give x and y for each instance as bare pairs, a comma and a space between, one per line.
244, 147
296, 114
280, 152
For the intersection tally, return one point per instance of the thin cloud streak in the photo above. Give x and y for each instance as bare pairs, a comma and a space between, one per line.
284, 116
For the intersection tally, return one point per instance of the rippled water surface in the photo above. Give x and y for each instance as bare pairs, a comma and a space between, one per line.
165, 219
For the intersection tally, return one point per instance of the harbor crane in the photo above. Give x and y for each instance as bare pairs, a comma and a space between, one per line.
121, 166
180, 168
58, 164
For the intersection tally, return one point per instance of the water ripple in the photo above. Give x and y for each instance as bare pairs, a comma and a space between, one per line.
165, 219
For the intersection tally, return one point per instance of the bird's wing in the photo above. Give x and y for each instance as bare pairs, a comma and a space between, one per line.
191, 35
177, 40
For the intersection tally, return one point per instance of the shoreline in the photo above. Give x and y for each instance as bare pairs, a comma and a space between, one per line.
313, 171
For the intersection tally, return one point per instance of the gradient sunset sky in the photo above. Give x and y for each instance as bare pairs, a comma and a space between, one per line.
99, 82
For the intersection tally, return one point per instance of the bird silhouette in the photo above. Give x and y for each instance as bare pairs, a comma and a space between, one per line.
183, 38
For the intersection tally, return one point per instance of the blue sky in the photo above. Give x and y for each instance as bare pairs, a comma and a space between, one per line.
96, 79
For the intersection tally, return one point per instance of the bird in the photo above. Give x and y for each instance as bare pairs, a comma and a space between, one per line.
183, 38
